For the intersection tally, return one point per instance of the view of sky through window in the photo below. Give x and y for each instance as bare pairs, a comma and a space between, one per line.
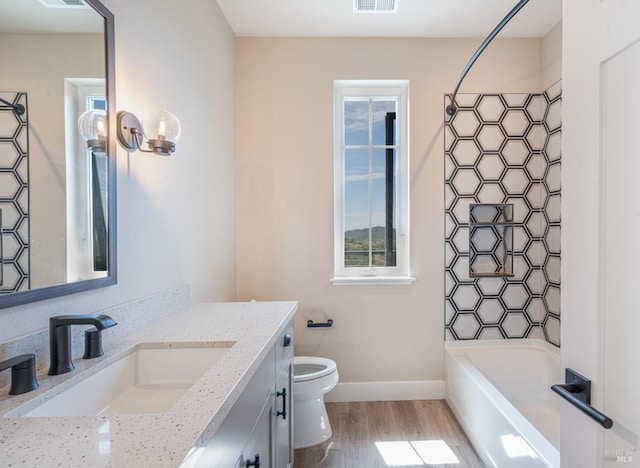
367, 143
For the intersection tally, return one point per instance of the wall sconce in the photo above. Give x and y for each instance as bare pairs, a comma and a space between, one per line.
92, 125
162, 131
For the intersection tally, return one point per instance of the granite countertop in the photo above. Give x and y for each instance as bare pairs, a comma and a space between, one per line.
147, 440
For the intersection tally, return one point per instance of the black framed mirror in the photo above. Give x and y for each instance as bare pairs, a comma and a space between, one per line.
57, 195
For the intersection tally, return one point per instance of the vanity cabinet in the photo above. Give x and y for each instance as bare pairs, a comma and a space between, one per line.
283, 427
261, 421
259, 446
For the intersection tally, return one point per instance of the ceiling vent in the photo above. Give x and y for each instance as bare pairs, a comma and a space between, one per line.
375, 6
64, 3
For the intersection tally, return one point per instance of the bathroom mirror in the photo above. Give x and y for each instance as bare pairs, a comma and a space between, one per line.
57, 197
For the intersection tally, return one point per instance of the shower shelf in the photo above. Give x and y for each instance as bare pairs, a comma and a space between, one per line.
491, 240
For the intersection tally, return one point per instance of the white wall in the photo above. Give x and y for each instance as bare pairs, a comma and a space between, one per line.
285, 189
580, 218
176, 216
552, 56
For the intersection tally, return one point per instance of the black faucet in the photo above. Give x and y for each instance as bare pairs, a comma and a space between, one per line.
60, 339
23, 373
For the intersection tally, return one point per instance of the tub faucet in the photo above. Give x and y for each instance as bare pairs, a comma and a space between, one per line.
60, 339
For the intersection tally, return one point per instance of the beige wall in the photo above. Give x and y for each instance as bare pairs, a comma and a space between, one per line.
552, 56
176, 216
285, 189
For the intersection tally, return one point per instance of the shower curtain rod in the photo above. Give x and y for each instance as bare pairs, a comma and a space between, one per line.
17, 108
451, 108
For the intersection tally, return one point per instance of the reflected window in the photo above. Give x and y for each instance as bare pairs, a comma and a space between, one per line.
98, 165
86, 186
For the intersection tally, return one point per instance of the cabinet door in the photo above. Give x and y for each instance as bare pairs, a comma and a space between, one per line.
260, 441
284, 417
284, 347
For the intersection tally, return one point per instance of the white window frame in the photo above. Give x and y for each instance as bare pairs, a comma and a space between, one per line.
400, 274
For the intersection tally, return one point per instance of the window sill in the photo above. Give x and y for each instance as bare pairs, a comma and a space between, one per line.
371, 280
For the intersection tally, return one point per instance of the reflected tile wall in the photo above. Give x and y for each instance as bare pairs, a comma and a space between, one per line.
505, 148
14, 194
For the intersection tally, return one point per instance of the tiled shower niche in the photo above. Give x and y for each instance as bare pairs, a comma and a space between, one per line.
504, 149
490, 240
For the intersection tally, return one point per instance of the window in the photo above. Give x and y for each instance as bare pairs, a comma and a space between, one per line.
371, 182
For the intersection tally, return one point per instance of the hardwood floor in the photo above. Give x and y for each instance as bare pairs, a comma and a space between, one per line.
357, 426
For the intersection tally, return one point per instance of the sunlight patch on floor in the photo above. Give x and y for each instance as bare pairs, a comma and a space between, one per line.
417, 452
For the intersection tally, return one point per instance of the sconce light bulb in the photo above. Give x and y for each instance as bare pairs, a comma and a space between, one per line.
92, 126
162, 130
100, 128
162, 125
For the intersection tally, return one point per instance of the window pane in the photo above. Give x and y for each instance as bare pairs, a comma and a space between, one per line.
99, 171
383, 207
356, 122
356, 208
383, 115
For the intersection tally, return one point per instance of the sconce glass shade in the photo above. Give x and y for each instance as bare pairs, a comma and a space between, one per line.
162, 130
92, 125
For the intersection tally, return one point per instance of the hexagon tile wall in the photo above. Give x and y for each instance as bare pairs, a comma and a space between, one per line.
14, 194
505, 148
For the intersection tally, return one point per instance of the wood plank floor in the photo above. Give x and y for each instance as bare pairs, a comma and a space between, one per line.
357, 426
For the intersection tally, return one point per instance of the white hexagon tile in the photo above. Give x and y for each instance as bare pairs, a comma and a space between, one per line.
14, 195
490, 167
504, 148
491, 108
515, 123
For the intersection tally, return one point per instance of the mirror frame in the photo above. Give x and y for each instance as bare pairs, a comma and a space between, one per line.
48, 292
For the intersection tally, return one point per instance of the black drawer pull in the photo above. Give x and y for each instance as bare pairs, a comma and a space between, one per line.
282, 394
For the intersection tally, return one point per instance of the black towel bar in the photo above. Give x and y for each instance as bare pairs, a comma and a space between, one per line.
577, 391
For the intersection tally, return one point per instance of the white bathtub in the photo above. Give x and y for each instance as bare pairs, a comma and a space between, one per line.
499, 391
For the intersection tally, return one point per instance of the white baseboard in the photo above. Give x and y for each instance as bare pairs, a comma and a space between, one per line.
387, 391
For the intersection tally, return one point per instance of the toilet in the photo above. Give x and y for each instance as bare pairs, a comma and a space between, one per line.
312, 378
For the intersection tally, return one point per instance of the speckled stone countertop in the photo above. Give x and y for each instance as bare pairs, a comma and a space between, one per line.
146, 440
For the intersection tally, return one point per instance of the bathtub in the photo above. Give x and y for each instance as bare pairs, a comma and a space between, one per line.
499, 391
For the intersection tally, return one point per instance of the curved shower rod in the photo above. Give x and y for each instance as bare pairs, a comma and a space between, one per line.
17, 108
451, 108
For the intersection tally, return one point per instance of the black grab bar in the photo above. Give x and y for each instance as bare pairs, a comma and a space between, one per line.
577, 391
326, 324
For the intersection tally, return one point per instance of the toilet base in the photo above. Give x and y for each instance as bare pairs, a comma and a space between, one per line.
310, 422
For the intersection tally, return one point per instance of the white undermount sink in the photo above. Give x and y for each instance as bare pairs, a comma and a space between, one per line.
150, 379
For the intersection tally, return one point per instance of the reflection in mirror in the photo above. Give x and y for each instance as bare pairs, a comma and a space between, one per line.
57, 200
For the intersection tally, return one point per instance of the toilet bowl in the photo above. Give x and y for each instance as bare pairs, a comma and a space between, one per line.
312, 378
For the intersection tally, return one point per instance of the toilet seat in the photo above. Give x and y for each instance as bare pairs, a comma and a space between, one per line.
307, 368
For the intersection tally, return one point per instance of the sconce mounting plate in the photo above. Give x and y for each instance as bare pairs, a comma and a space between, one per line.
129, 130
